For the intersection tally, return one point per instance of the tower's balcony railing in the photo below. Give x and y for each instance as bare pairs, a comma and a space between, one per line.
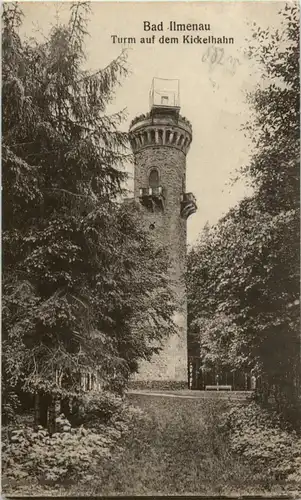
152, 197
151, 191
188, 205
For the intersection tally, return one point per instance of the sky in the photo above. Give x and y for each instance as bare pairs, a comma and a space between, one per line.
213, 95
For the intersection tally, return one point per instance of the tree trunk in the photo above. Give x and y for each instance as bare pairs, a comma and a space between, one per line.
43, 409
37, 410
53, 409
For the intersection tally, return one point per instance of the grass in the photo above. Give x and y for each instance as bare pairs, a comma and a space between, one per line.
178, 450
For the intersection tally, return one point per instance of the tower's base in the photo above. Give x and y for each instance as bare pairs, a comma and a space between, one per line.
157, 385
166, 370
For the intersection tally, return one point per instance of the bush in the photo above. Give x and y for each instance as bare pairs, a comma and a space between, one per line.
260, 438
96, 408
65, 455
69, 455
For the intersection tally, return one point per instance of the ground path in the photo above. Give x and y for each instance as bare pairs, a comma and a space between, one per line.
188, 394
179, 450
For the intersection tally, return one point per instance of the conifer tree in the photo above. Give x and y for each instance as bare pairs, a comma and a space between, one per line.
84, 288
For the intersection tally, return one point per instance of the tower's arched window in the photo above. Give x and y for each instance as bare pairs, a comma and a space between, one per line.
153, 179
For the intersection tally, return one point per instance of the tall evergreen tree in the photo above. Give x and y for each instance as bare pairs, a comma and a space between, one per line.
79, 273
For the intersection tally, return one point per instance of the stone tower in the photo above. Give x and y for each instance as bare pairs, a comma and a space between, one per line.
160, 141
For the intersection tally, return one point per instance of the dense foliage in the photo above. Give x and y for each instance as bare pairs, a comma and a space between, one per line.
72, 454
243, 275
258, 437
84, 288
274, 126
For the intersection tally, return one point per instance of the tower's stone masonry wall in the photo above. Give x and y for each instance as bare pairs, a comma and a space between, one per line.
169, 229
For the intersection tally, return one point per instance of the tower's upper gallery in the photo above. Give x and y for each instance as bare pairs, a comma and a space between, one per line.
160, 127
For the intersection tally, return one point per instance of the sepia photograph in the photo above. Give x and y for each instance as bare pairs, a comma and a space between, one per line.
151, 338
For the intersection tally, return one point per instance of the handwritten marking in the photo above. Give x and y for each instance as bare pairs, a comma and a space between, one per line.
215, 56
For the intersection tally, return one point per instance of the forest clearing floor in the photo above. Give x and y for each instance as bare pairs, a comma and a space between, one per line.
179, 450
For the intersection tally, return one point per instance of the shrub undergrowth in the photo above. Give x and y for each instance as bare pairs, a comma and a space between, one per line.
71, 454
261, 438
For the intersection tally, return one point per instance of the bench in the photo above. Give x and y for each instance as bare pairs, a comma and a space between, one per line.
218, 388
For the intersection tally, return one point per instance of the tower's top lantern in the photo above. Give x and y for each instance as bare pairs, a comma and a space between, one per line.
163, 124
165, 95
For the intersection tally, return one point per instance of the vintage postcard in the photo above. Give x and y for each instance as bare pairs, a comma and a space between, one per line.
150, 231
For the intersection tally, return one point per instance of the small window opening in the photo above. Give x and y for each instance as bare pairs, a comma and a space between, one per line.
164, 99
153, 179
